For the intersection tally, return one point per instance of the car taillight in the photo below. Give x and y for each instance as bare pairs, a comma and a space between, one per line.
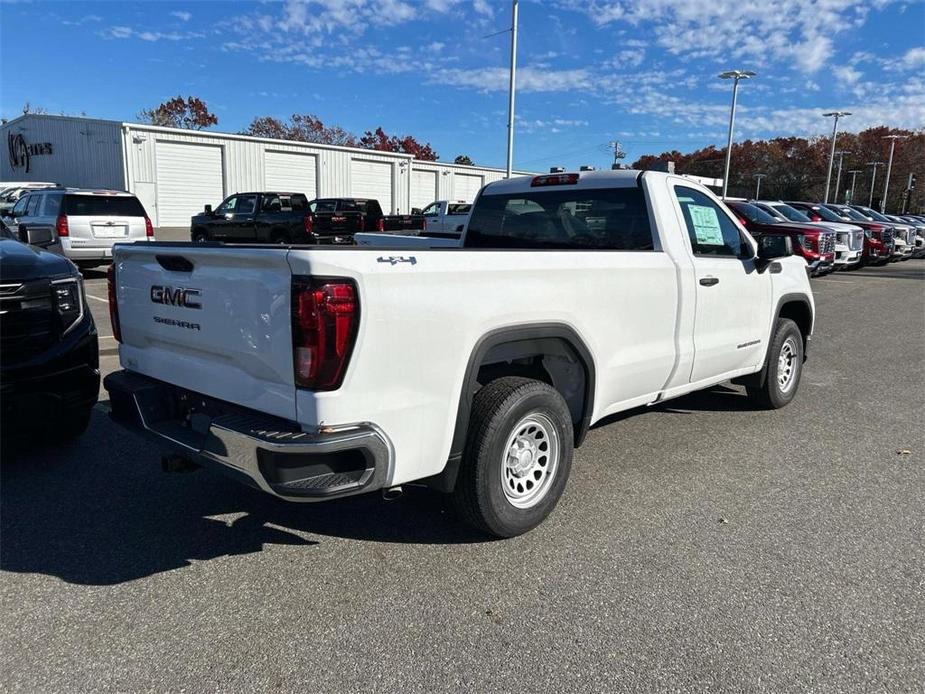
554, 180
149, 228
325, 317
309, 223
380, 224
61, 226
113, 304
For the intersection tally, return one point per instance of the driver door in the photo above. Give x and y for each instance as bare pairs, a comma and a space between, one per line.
732, 299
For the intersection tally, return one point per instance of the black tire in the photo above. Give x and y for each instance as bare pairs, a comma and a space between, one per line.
280, 238
73, 423
780, 387
497, 410
201, 237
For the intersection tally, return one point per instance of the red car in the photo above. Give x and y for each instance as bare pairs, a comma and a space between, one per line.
878, 246
814, 244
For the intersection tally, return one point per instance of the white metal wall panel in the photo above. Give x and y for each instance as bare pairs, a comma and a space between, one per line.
85, 152
423, 188
188, 177
466, 186
372, 179
291, 172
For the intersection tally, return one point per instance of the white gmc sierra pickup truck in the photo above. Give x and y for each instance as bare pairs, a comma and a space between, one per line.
320, 372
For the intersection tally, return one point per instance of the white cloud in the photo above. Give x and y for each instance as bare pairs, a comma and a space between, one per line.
182, 15
120, 32
847, 75
529, 79
123, 32
747, 32
483, 7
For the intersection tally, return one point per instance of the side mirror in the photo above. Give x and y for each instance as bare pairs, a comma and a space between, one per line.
770, 248
415, 210
207, 209
39, 237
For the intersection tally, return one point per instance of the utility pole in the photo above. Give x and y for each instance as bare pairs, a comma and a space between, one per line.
758, 186
841, 158
837, 115
511, 89
734, 75
618, 153
854, 174
873, 179
889, 167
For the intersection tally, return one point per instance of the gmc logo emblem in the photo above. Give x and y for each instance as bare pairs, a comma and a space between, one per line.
176, 296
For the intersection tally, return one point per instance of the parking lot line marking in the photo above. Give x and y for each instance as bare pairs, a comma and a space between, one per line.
90, 296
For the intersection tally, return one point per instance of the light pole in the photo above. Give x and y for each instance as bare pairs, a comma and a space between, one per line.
735, 75
841, 158
889, 167
837, 115
854, 174
511, 89
873, 178
758, 185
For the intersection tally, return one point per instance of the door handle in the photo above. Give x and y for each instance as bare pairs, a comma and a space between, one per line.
709, 281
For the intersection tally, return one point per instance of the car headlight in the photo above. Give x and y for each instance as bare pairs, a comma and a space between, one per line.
67, 295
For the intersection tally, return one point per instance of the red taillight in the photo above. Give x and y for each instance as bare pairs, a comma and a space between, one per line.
309, 223
325, 316
554, 180
61, 226
380, 224
149, 228
113, 304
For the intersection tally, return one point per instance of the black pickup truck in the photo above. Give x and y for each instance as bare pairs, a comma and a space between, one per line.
291, 218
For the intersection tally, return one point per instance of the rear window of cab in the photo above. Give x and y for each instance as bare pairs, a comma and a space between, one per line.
102, 206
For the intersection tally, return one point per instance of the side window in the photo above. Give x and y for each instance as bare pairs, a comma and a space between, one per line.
271, 203
431, 210
19, 209
247, 204
33, 208
299, 202
228, 207
710, 230
52, 205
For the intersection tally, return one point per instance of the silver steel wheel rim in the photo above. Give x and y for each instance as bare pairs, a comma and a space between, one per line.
787, 365
531, 459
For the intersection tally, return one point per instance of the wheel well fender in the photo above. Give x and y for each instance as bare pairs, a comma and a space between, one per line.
549, 352
797, 308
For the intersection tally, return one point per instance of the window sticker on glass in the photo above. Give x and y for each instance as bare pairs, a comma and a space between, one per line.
706, 225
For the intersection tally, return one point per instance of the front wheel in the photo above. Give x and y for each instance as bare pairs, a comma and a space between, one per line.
517, 457
200, 237
783, 368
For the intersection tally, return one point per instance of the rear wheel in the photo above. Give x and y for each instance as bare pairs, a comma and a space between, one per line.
517, 458
783, 368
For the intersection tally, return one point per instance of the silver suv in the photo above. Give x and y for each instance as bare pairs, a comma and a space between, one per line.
82, 225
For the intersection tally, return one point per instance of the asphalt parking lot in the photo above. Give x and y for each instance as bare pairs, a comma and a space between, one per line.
700, 545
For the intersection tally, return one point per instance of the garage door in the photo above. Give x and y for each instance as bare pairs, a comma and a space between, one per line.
288, 172
188, 177
466, 187
372, 179
423, 188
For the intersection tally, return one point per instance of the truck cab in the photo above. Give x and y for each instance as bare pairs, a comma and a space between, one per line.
446, 217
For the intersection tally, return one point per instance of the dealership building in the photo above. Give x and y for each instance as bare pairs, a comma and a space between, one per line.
175, 172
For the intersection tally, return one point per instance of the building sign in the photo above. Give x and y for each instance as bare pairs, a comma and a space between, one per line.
21, 152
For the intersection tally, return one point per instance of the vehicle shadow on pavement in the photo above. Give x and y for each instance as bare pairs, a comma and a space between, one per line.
913, 273
101, 512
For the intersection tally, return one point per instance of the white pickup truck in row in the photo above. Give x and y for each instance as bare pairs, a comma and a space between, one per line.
320, 372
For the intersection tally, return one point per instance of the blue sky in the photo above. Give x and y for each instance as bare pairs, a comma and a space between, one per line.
591, 71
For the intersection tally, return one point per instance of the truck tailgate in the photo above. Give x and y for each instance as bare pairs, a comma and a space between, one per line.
213, 320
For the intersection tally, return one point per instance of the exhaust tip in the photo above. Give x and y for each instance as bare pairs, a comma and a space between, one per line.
391, 493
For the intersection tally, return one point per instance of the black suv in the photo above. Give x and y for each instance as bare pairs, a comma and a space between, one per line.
49, 358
